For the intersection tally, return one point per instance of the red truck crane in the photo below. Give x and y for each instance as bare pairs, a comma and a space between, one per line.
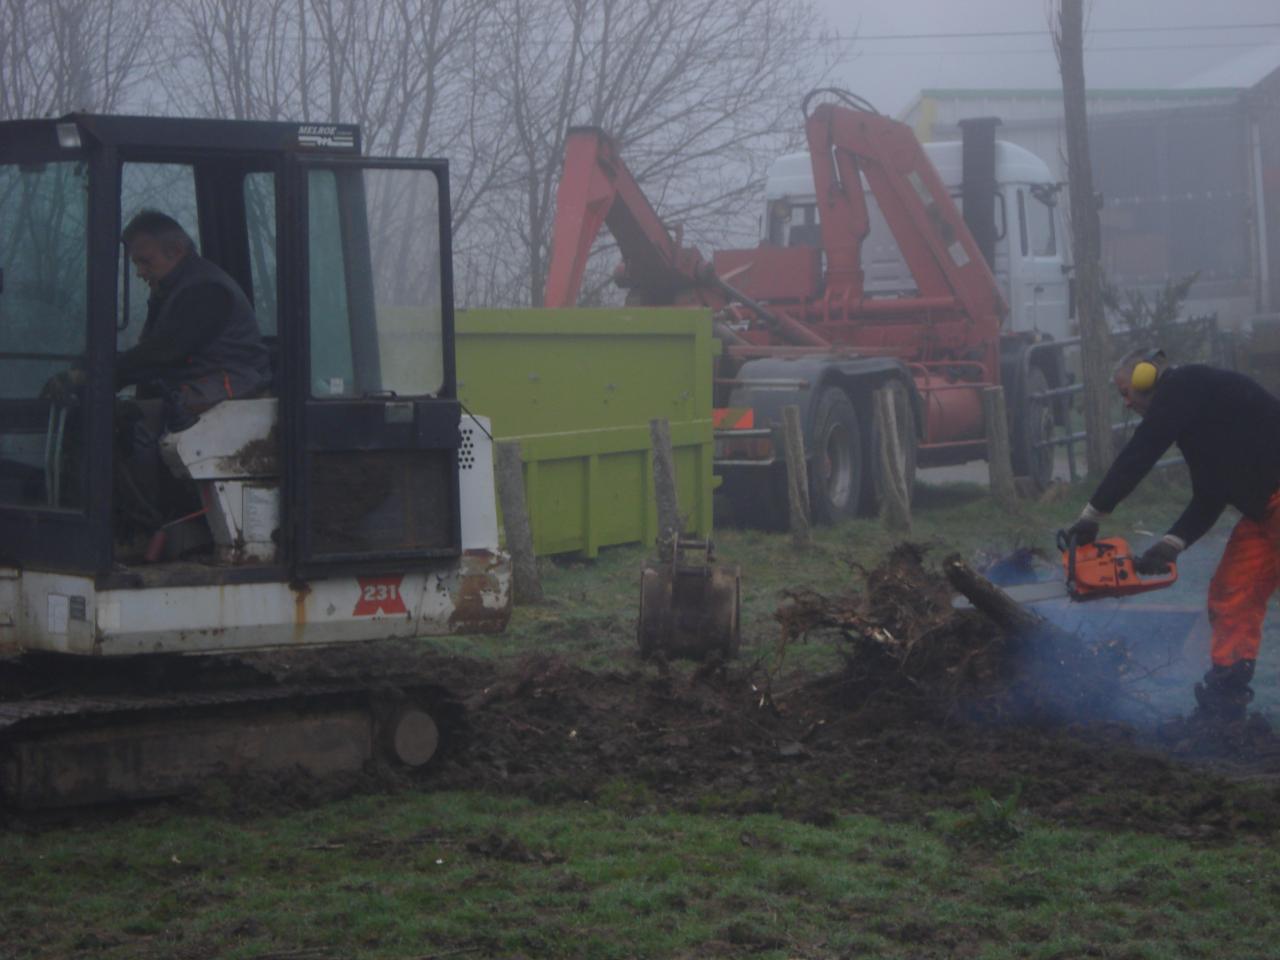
799, 325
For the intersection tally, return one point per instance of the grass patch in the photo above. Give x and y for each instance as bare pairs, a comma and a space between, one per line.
422, 875
418, 874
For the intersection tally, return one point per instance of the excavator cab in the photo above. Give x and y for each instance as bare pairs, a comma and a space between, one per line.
351, 500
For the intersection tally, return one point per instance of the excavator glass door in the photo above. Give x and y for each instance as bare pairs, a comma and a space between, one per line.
374, 463
46, 513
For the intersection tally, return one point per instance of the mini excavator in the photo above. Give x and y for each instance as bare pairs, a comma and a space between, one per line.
353, 502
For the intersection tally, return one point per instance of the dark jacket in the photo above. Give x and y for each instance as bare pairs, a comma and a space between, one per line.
1228, 429
199, 327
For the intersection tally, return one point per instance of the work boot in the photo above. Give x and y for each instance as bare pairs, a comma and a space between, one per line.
1225, 693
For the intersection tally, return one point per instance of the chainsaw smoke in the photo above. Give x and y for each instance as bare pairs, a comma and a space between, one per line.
1164, 635
1127, 661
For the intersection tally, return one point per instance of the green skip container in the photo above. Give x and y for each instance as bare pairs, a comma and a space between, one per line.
578, 388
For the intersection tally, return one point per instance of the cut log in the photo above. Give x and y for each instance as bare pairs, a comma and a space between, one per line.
1007, 613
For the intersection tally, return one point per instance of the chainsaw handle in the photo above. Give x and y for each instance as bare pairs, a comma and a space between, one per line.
1067, 545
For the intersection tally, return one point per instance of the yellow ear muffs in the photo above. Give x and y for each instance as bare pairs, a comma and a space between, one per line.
1145, 372
1144, 375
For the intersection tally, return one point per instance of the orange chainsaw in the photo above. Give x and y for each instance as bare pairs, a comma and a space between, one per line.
1093, 571
1105, 568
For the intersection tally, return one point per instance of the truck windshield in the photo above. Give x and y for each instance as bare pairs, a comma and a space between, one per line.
43, 323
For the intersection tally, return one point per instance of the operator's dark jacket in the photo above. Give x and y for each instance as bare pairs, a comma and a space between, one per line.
1228, 429
200, 332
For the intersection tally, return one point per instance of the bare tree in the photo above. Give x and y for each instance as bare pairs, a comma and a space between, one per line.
242, 60
58, 56
404, 70
700, 94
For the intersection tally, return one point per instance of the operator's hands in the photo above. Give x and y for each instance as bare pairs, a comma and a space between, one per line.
1085, 529
1082, 531
1158, 558
61, 387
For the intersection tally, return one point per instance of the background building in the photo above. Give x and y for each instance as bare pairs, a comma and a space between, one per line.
1189, 176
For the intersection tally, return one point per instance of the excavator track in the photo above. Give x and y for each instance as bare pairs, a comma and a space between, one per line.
76, 749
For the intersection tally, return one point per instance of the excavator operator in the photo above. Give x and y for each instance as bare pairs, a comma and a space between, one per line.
1228, 429
200, 344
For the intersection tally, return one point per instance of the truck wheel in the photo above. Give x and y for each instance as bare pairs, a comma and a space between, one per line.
873, 483
835, 465
1033, 425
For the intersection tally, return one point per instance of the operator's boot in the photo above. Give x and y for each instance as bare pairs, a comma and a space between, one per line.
1225, 694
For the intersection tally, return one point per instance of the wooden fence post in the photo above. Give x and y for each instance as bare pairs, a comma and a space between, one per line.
896, 498
797, 477
526, 586
998, 460
664, 486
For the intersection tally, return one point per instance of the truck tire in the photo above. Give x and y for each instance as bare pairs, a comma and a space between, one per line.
906, 418
1032, 425
836, 470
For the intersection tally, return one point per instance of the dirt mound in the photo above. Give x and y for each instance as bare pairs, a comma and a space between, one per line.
936, 707
903, 637
718, 740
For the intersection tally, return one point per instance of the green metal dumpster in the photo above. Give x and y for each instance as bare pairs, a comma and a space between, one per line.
578, 388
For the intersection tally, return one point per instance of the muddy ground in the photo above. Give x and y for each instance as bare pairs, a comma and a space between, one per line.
895, 736
719, 743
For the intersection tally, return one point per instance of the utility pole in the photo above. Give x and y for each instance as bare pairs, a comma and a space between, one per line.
1095, 338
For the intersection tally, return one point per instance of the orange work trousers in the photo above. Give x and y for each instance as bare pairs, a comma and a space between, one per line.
1247, 575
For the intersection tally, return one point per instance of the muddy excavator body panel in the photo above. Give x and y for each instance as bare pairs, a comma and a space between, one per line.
349, 501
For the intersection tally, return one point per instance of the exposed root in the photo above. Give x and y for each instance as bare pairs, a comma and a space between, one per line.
901, 638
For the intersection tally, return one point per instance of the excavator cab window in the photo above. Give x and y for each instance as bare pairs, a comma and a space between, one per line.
349, 461
43, 330
260, 223
170, 188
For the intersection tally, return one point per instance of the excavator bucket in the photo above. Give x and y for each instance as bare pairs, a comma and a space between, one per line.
689, 605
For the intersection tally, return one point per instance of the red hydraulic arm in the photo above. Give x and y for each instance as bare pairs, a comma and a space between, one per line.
596, 188
846, 141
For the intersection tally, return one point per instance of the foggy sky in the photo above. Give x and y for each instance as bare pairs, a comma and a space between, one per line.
890, 73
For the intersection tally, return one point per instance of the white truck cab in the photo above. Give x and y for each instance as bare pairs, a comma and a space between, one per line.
1030, 255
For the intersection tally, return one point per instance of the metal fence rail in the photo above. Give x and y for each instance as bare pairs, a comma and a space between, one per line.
1220, 352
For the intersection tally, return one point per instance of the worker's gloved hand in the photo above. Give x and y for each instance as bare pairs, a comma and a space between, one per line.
1082, 531
61, 387
1085, 529
1158, 558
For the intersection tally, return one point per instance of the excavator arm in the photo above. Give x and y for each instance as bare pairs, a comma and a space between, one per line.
597, 189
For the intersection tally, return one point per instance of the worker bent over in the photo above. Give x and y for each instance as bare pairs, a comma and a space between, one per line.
1228, 430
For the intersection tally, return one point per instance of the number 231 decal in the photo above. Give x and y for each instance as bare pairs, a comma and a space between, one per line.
379, 595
